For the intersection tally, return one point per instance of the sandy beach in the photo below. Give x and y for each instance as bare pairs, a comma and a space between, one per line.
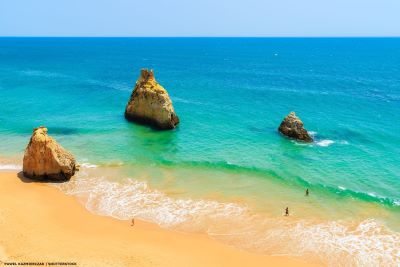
40, 224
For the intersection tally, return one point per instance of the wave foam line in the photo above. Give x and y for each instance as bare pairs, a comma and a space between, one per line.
10, 167
324, 143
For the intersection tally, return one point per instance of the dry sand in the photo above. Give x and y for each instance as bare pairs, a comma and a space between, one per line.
38, 223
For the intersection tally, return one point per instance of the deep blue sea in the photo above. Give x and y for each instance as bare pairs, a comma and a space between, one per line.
226, 159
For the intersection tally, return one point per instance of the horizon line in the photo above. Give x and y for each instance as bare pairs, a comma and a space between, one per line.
255, 37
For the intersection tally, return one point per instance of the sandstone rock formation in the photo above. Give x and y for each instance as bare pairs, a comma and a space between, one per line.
150, 103
45, 159
293, 127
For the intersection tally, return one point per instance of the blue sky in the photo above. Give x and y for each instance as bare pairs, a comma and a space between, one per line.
199, 18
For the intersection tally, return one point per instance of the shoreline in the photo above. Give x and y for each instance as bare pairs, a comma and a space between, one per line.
36, 218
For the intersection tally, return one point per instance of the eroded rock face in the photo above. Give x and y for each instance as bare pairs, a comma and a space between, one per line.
150, 103
293, 127
45, 159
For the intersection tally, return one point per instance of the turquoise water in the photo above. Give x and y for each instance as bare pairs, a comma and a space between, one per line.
231, 95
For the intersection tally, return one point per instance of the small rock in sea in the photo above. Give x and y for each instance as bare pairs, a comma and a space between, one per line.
293, 127
45, 159
150, 103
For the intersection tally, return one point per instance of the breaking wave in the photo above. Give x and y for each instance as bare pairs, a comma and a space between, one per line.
324, 143
132, 198
88, 165
10, 167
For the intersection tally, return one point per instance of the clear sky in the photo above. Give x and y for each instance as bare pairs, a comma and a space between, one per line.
199, 18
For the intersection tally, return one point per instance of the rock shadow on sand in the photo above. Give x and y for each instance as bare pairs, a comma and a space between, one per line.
25, 179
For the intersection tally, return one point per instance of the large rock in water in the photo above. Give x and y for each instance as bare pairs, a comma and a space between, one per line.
150, 103
293, 127
45, 159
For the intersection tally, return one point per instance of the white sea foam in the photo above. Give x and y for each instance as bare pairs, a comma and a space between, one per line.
339, 243
131, 198
88, 165
299, 143
335, 243
312, 133
10, 167
341, 187
325, 142
367, 243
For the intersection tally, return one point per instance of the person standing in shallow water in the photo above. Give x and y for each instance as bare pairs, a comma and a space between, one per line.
287, 211
307, 192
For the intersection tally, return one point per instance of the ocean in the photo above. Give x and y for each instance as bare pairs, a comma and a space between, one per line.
225, 170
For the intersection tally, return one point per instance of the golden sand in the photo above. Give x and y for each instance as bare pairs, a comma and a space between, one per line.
38, 223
